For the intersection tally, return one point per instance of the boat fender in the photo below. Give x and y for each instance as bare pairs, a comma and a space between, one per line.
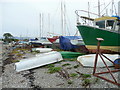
117, 61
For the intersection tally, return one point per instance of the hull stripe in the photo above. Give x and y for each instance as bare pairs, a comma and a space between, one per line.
112, 48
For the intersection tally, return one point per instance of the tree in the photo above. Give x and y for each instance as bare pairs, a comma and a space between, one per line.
8, 37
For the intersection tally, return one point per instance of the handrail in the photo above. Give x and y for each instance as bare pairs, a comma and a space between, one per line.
76, 11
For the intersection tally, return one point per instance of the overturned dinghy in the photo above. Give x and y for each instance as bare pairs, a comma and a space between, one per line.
39, 60
66, 54
43, 50
88, 60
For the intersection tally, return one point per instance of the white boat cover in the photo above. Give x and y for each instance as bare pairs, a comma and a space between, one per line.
88, 60
39, 60
42, 49
77, 42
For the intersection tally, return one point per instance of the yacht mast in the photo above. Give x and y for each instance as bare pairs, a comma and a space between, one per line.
119, 8
62, 26
112, 7
40, 25
99, 8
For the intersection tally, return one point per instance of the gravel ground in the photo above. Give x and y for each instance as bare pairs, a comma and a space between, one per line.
40, 78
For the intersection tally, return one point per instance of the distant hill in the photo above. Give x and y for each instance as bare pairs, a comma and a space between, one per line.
22, 38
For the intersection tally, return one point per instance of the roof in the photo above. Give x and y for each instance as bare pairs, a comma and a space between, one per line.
106, 18
87, 18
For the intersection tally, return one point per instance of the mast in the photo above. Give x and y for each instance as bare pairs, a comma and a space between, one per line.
99, 8
62, 27
49, 22
119, 8
40, 26
112, 7
88, 12
64, 18
88, 9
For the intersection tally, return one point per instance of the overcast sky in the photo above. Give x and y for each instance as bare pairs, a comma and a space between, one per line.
22, 17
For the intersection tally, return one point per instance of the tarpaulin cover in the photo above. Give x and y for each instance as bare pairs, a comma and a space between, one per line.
65, 43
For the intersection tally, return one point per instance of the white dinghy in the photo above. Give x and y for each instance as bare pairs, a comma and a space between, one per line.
88, 60
42, 50
39, 60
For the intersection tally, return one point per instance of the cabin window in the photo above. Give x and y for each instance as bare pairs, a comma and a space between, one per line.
117, 27
100, 24
110, 23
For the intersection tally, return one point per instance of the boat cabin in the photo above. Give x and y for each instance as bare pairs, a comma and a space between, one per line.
108, 23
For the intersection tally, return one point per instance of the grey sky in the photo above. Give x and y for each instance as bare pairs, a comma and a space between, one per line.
21, 17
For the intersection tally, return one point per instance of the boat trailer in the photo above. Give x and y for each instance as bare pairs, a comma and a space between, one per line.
114, 81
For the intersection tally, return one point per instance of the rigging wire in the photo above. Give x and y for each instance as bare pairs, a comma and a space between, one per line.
115, 9
105, 7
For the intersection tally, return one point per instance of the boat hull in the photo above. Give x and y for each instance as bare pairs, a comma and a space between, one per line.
89, 34
42, 50
39, 60
89, 60
66, 54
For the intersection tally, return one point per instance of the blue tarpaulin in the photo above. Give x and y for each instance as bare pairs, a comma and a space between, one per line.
65, 43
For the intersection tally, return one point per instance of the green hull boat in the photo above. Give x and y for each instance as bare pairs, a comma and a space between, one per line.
105, 27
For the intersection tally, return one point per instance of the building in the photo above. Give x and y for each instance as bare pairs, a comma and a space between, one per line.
119, 8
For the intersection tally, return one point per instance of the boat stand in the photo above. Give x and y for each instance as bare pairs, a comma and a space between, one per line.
114, 81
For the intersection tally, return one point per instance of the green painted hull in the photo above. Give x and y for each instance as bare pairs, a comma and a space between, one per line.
70, 54
89, 35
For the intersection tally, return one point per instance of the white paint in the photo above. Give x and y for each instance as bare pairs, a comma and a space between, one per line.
77, 42
42, 49
88, 60
39, 60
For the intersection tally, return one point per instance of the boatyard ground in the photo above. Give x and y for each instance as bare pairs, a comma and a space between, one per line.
65, 74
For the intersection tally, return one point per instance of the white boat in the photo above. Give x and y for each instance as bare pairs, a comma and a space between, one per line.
39, 60
42, 49
88, 60
77, 42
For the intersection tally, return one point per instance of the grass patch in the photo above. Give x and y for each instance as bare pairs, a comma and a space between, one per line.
86, 82
86, 75
70, 82
14, 61
19, 55
54, 69
72, 59
37, 51
73, 74
66, 64
76, 66
15, 52
50, 65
